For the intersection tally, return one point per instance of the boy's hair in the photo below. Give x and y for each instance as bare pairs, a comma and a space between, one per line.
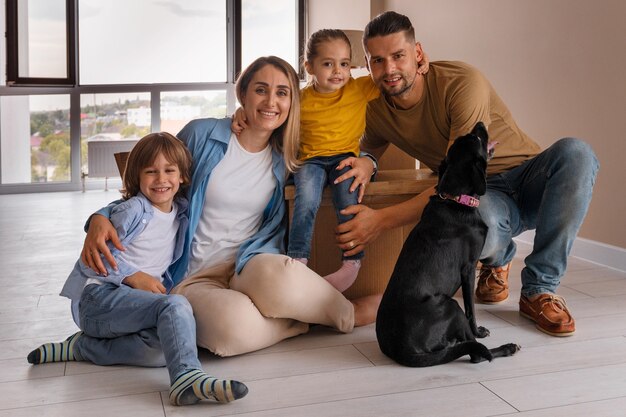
319, 37
286, 138
388, 23
145, 152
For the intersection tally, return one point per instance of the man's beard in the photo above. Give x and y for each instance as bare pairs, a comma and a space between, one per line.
397, 92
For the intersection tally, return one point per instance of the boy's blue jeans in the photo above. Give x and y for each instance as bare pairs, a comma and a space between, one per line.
549, 193
310, 181
125, 326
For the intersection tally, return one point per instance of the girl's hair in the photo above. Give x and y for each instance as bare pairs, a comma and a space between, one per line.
319, 37
286, 138
388, 23
144, 154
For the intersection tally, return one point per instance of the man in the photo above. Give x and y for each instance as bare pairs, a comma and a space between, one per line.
548, 191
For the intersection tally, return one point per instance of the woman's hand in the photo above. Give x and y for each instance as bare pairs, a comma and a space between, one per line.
238, 123
100, 231
362, 170
146, 282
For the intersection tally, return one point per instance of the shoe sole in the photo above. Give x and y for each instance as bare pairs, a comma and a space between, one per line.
490, 302
544, 330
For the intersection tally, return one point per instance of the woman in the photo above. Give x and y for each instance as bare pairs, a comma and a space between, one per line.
246, 295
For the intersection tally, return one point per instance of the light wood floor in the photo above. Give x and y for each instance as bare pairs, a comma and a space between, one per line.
322, 373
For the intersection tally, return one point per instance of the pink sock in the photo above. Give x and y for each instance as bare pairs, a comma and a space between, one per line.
303, 260
345, 276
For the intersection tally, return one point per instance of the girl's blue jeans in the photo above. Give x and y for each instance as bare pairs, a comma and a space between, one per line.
549, 193
125, 326
310, 180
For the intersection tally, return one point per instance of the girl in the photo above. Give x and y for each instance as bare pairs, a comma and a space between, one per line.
332, 121
125, 316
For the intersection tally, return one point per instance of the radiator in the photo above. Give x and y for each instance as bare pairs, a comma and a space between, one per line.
100, 159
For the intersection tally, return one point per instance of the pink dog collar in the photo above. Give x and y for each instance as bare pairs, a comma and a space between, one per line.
464, 199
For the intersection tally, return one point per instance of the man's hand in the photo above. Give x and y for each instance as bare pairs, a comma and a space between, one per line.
362, 170
100, 231
142, 281
355, 234
367, 224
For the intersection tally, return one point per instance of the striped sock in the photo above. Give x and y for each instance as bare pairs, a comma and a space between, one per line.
194, 385
55, 352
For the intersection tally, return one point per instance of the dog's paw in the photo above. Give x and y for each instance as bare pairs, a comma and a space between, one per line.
482, 332
511, 349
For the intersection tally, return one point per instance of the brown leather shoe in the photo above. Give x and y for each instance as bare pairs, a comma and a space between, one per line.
493, 284
549, 313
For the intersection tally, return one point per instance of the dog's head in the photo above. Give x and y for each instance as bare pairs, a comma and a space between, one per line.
464, 169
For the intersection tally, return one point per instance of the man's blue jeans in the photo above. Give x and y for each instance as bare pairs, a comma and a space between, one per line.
125, 326
549, 193
310, 181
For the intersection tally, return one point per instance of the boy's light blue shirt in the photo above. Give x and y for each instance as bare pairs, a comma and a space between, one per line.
129, 217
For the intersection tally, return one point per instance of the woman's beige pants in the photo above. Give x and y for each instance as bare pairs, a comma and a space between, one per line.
274, 297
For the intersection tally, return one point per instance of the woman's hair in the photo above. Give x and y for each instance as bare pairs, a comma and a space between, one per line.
144, 154
286, 138
318, 38
388, 23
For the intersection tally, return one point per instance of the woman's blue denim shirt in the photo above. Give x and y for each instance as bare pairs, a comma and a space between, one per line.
207, 140
130, 218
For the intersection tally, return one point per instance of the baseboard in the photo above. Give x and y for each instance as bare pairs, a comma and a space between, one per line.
588, 250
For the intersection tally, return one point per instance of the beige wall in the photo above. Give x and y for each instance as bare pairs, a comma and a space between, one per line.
337, 14
558, 64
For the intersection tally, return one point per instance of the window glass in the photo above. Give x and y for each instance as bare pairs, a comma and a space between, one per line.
110, 123
269, 28
180, 107
152, 41
42, 38
35, 139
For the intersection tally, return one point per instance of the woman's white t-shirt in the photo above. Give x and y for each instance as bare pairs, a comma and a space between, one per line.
237, 193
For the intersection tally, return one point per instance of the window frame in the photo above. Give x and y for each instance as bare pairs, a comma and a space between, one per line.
12, 45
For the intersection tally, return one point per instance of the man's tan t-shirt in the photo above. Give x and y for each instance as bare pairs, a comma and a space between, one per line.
456, 96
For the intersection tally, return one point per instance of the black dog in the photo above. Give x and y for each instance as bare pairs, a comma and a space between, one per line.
418, 322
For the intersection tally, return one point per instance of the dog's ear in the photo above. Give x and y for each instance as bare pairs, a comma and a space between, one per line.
479, 179
451, 179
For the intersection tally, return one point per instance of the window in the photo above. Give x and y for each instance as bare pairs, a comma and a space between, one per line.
139, 42
36, 130
262, 23
40, 44
112, 121
82, 73
180, 107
